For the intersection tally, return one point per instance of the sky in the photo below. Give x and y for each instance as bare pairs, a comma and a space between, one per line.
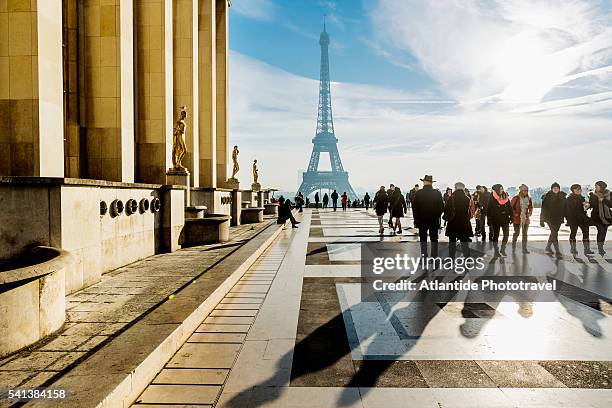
478, 91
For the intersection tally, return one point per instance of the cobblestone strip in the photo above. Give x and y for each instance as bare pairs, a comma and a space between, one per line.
195, 375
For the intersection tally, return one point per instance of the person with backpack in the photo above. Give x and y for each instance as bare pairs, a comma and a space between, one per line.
499, 214
600, 214
576, 215
458, 215
522, 208
553, 214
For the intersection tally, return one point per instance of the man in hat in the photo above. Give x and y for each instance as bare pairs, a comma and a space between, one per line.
427, 207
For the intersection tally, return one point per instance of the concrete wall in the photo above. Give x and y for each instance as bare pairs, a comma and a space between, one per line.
67, 216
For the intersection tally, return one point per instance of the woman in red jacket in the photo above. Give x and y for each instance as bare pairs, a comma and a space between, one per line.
522, 208
344, 198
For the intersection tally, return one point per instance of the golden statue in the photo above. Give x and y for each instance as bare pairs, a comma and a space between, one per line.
236, 167
255, 172
179, 149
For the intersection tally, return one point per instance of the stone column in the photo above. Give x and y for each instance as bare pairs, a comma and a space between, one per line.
31, 89
154, 83
207, 94
108, 122
185, 45
236, 207
222, 90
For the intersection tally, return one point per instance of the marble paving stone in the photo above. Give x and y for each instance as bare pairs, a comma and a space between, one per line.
306, 397
66, 343
229, 320
233, 313
581, 374
472, 397
36, 361
204, 355
245, 295
443, 374
193, 376
217, 338
397, 398
223, 328
241, 300
64, 361
10, 379
172, 406
91, 343
519, 374
246, 288
558, 397
238, 306
180, 394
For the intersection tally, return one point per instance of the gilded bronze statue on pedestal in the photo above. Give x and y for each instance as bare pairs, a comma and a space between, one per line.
179, 149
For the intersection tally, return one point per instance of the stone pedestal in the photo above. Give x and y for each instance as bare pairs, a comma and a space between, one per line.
260, 199
255, 186
232, 183
252, 215
179, 177
270, 209
236, 207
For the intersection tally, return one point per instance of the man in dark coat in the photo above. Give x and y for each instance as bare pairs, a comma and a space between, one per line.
366, 201
427, 207
316, 199
334, 197
457, 216
389, 194
381, 203
325, 200
553, 214
483, 203
411, 195
577, 217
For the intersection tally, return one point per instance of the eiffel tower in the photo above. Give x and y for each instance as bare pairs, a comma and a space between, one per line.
325, 139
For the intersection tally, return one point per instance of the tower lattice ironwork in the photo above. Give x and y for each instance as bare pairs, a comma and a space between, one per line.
325, 140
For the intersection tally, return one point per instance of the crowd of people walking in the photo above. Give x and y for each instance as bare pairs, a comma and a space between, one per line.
493, 212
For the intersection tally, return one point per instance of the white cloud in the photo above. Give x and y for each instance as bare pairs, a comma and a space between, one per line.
255, 9
513, 50
387, 135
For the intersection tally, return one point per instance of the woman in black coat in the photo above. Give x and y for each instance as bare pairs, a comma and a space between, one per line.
499, 215
381, 203
577, 217
398, 208
457, 216
601, 203
553, 214
284, 212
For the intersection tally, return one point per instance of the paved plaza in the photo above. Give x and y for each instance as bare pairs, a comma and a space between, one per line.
293, 332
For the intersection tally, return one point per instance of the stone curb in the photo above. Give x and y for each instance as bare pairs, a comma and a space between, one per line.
117, 374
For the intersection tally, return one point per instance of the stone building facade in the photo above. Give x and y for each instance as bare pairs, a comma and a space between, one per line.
91, 88
90, 91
